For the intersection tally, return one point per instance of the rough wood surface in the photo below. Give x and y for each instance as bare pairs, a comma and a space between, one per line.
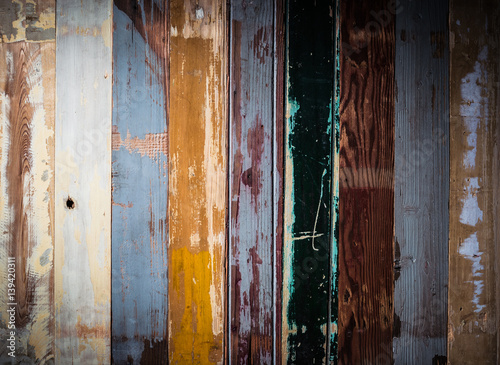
139, 183
309, 138
83, 182
366, 196
198, 134
251, 182
474, 134
421, 182
27, 102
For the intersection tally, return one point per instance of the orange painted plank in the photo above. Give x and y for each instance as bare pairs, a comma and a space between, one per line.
197, 181
473, 293
27, 98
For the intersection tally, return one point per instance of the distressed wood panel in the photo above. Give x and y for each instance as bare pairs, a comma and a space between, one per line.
421, 182
140, 180
83, 182
198, 141
474, 135
366, 214
278, 173
309, 138
27, 102
251, 182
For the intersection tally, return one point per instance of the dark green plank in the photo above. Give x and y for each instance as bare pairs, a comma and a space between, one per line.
308, 321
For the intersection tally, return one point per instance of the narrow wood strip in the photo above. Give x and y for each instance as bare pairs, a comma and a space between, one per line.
27, 98
251, 182
366, 213
309, 133
278, 173
421, 182
474, 134
140, 181
83, 182
197, 181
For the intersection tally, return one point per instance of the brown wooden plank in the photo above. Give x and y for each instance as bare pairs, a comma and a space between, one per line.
197, 181
474, 134
366, 197
251, 182
27, 101
421, 182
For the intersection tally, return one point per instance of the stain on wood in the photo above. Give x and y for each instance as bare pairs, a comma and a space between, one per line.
251, 182
83, 182
474, 134
197, 197
366, 207
139, 183
421, 181
309, 139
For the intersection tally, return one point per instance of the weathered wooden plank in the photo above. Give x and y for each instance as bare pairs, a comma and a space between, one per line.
421, 182
139, 180
251, 182
474, 134
309, 136
197, 181
83, 182
366, 182
27, 98
278, 173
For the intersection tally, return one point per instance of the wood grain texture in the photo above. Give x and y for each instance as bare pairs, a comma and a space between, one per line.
251, 182
278, 173
366, 217
83, 182
309, 138
27, 101
139, 183
197, 198
421, 182
474, 134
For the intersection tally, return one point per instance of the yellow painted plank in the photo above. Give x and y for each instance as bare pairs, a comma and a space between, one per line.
197, 181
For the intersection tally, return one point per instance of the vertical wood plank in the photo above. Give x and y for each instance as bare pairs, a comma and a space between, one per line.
251, 182
27, 98
197, 181
366, 204
474, 135
421, 182
309, 133
83, 182
139, 180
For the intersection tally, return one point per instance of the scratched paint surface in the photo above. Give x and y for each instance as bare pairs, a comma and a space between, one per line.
251, 183
140, 180
309, 139
83, 182
197, 181
27, 197
474, 90
421, 182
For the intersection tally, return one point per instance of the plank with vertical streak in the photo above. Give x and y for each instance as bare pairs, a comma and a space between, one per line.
421, 182
474, 134
251, 182
139, 183
366, 187
198, 139
309, 138
82, 260
27, 101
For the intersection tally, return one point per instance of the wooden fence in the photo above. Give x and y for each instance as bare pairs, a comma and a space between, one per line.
249, 182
